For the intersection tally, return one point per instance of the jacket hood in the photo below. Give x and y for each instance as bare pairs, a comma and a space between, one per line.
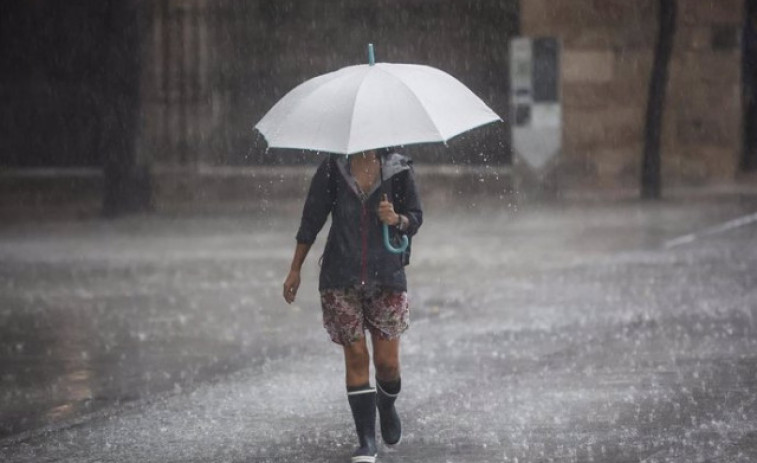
391, 165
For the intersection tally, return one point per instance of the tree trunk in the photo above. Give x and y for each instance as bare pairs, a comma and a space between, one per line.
650, 171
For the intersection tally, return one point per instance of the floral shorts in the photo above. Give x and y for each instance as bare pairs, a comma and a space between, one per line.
347, 313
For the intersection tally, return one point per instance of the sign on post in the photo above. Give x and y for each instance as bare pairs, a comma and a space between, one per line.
535, 99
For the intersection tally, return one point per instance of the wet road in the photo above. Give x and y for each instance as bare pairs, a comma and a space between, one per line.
565, 333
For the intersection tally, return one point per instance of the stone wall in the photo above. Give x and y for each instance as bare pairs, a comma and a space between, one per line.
608, 47
212, 68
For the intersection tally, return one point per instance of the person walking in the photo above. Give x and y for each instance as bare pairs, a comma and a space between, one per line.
363, 285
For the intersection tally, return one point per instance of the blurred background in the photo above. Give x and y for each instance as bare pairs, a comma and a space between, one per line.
115, 106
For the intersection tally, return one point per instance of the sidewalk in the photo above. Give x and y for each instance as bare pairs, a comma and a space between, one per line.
76, 193
61, 194
562, 332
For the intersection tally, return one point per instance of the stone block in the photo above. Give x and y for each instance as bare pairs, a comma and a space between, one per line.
618, 167
623, 12
699, 164
607, 128
636, 36
634, 91
557, 16
707, 66
600, 95
725, 38
532, 13
588, 95
633, 67
595, 38
701, 98
692, 38
582, 13
709, 129
587, 66
564, 17
576, 170
670, 167
722, 163
611, 37
710, 11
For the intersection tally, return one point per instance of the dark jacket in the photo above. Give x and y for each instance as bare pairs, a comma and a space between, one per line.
355, 252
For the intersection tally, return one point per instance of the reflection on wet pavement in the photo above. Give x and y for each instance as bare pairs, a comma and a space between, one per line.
565, 333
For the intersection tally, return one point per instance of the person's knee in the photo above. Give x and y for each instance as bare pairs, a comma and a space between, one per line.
356, 357
387, 367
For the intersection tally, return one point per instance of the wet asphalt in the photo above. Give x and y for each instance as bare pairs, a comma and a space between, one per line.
564, 332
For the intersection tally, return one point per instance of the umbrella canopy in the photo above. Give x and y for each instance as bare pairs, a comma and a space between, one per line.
363, 107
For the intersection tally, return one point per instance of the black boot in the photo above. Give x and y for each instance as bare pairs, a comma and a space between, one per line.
391, 427
363, 405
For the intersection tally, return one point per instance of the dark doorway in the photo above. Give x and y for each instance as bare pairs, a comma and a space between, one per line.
70, 92
749, 159
68, 68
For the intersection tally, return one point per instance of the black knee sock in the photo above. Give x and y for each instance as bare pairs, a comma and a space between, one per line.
390, 387
362, 387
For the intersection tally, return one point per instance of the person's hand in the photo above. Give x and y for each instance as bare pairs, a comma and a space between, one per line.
386, 212
291, 284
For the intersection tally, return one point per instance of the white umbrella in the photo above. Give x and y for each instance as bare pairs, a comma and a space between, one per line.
363, 107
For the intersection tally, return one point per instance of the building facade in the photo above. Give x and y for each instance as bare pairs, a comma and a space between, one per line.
607, 54
207, 70
212, 68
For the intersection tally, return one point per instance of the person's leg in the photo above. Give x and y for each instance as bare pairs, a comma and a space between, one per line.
386, 360
387, 316
343, 319
357, 364
362, 399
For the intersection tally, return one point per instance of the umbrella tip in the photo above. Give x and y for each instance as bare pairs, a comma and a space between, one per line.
371, 56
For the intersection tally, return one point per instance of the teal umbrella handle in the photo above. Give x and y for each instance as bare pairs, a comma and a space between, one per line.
389, 246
